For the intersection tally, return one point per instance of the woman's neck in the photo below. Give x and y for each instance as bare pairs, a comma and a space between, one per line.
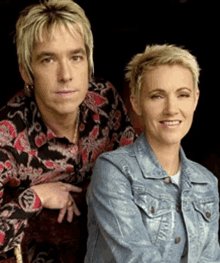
167, 156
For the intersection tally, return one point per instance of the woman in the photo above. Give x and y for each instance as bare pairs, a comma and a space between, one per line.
147, 202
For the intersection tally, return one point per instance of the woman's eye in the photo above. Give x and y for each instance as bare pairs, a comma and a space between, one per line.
184, 95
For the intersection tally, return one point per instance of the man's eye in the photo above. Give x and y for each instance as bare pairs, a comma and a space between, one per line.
47, 60
156, 96
76, 58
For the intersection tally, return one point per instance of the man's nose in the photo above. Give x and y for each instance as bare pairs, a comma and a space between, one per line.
64, 71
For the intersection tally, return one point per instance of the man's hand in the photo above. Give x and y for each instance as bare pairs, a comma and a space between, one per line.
56, 196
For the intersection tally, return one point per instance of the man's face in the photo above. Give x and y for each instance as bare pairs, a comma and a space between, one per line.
60, 70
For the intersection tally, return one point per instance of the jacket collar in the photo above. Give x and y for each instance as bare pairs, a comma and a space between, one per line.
151, 168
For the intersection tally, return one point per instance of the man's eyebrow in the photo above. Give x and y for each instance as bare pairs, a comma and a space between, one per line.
51, 54
78, 51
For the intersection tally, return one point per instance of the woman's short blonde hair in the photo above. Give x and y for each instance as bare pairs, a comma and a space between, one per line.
157, 55
47, 15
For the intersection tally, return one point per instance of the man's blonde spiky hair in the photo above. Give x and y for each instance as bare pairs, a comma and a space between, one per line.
47, 15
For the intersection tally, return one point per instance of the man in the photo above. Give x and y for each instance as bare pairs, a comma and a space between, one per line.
51, 135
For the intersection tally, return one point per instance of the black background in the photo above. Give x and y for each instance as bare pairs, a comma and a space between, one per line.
122, 29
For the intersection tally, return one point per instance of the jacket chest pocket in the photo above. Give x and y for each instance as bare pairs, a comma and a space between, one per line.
207, 213
207, 208
156, 213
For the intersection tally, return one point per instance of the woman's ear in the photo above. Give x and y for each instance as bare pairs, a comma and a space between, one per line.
197, 94
135, 102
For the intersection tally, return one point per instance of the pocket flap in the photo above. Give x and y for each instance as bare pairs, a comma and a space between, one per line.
208, 207
150, 204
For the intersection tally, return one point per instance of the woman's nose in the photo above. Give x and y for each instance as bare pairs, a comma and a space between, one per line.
171, 106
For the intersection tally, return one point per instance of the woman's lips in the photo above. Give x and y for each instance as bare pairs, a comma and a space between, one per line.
171, 124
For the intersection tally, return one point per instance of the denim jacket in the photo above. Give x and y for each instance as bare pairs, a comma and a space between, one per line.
137, 215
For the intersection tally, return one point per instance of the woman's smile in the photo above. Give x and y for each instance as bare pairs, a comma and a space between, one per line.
170, 124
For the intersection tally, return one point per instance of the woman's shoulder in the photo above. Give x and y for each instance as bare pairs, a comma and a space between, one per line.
120, 156
111, 167
202, 170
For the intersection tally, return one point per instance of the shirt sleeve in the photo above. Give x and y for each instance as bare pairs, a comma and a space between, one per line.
15, 209
111, 202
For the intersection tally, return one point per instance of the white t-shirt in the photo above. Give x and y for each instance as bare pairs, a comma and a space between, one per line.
176, 178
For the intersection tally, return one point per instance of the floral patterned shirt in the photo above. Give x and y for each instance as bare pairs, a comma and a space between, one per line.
30, 153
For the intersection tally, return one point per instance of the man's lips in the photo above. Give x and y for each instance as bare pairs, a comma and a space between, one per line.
65, 91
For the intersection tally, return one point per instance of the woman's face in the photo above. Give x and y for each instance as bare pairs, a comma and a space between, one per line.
167, 103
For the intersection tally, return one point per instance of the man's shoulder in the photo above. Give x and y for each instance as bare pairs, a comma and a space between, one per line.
100, 86
15, 104
12, 118
96, 81
101, 96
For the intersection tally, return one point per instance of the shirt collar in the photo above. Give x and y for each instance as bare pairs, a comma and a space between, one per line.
152, 169
39, 133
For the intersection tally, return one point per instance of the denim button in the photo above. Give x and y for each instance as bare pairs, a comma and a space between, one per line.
177, 240
152, 209
167, 180
208, 215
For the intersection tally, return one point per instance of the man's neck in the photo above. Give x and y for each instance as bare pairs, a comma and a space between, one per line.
61, 125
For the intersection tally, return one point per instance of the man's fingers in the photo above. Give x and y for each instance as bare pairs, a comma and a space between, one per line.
70, 208
76, 210
62, 214
73, 188
73, 209
70, 213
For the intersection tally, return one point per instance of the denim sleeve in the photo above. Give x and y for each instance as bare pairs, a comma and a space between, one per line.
119, 219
